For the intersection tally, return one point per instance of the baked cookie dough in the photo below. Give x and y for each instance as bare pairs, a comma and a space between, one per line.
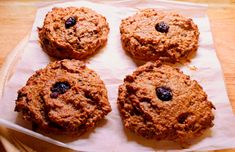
73, 33
64, 97
156, 35
160, 102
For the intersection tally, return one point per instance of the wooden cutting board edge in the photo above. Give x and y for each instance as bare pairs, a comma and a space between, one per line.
10, 62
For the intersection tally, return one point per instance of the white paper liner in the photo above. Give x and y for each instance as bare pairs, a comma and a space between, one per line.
113, 64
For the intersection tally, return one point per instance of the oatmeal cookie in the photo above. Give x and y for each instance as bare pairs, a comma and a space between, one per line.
73, 33
156, 35
64, 97
160, 102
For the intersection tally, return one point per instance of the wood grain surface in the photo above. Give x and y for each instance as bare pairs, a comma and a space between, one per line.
16, 19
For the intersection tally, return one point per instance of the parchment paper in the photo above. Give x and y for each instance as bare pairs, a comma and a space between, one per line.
113, 64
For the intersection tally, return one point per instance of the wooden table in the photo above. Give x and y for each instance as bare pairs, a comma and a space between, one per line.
16, 19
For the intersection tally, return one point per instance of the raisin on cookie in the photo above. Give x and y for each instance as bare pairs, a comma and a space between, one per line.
156, 35
64, 97
73, 33
160, 102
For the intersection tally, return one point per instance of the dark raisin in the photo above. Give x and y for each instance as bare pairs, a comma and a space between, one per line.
130, 89
71, 21
183, 117
129, 79
54, 94
60, 87
164, 93
162, 27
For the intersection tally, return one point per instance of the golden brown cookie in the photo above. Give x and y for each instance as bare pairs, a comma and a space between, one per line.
64, 97
73, 33
160, 102
156, 35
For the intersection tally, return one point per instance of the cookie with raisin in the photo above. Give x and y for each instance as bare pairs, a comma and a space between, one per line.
151, 34
65, 97
159, 102
73, 33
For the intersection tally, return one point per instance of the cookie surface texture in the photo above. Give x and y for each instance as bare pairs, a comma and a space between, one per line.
160, 102
73, 33
156, 35
64, 97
